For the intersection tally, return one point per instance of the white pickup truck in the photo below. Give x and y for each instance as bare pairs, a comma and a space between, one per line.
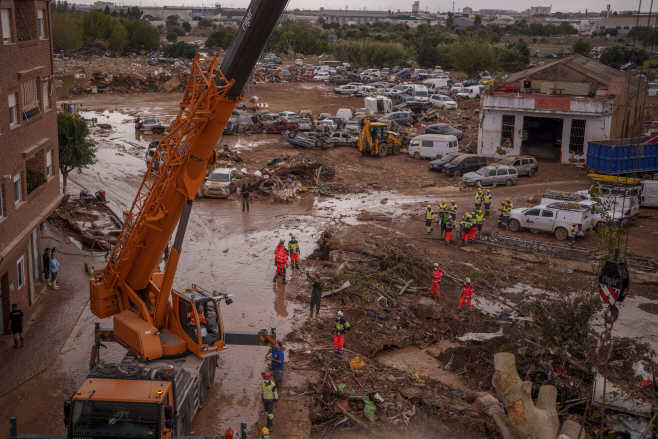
553, 218
601, 212
619, 198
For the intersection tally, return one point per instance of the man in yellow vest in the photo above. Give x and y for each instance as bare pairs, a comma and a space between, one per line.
479, 220
270, 396
441, 208
478, 199
487, 202
429, 216
572, 233
453, 210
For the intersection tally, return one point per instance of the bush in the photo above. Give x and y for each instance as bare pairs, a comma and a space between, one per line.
171, 36
187, 26
178, 29
372, 53
219, 40
581, 47
205, 23
181, 50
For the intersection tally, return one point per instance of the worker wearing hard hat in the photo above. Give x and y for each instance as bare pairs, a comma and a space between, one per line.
437, 275
487, 202
429, 216
281, 259
572, 233
270, 397
265, 433
341, 327
293, 249
453, 210
467, 294
478, 199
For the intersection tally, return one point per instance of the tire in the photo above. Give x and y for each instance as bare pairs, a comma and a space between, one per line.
513, 226
532, 173
457, 174
212, 369
383, 150
396, 150
417, 156
319, 143
599, 227
561, 234
408, 124
477, 97
203, 388
647, 176
509, 183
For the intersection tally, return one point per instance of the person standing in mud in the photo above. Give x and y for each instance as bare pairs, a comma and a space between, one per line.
277, 364
16, 319
316, 296
46, 265
341, 327
54, 268
245, 196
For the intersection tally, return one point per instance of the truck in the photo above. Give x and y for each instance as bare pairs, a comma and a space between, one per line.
649, 194
172, 338
601, 211
555, 218
376, 138
622, 198
637, 157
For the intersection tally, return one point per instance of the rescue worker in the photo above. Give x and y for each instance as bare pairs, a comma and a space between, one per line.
442, 208
510, 205
293, 250
479, 221
270, 397
502, 212
437, 275
280, 246
478, 199
341, 327
506, 213
572, 233
487, 202
444, 222
200, 314
466, 227
265, 433
281, 259
467, 293
453, 210
474, 228
449, 225
429, 216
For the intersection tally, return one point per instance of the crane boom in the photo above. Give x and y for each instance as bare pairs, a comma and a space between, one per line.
131, 287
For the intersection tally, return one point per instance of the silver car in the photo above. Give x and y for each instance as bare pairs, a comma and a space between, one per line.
492, 175
346, 89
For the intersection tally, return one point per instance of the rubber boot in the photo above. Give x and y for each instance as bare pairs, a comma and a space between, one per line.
22, 342
285, 281
55, 287
297, 266
15, 343
270, 424
459, 308
274, 279
48, 283
340, 352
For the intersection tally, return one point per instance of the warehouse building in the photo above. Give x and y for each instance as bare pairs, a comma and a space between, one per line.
552, 111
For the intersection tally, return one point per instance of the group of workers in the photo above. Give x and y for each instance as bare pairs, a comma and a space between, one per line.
471, 223
435, 290
505, 212
281, 254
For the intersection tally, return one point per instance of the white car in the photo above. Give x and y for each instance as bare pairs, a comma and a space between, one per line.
352, 127
444, 102
329, 123
149, 123
217, 184
304, 125
289, 116
456, 87
322, 76
346, 89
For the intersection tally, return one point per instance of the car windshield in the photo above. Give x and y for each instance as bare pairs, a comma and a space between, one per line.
447, 127
464, 90
150, 121
482, 171
445, 98
219, 176
449, 157
421, 93
457, 160
114, 419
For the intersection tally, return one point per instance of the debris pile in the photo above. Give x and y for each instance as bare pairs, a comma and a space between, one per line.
100, 82
89, 221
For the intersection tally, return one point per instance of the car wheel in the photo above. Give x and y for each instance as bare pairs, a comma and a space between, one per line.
599, 227
457, 174
561, 234
532, 173
417, 156
477, 97
647, 176
509, 183
396, 150
513, 226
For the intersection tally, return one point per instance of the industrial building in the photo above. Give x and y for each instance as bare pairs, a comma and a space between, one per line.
29, 171
353, 17
624, 24
552, 111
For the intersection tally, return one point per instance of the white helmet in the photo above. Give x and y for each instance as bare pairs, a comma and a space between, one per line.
436, 264
339, 313
468, 280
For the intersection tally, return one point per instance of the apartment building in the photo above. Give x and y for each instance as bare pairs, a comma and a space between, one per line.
29, 172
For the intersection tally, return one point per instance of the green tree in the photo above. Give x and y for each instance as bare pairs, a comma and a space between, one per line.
172, 20
67, 31
161, 28
428, 56
581, 47
178, 29
423, 30
187, 26
72, 11
180, 49
76, 150
107, 10
114, 14
171, 36
618, 55
477, 22
449, 22
220, 39
141, 35
96, 25
135, 12
204, 23
473, 55
119, 38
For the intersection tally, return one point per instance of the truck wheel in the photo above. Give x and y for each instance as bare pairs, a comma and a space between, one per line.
509, 183
396, 150
647, 176
532, 173
513, 226
213, 370
417, 156
599, 227
203, 387
457, 174
561, 234
383, 149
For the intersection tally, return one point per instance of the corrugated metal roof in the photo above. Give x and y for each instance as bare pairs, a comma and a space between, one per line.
628, 20
589, 67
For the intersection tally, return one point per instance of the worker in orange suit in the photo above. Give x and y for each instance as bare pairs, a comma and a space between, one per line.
467, 293
437, 275
341, 327
200, 314
281, 259
280, 246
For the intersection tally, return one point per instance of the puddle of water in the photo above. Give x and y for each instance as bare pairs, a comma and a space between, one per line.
634, 322
65, 83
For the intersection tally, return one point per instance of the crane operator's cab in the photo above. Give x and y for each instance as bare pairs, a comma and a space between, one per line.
200, 319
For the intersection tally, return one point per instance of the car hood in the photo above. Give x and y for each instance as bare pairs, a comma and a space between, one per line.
471, 176
438, 163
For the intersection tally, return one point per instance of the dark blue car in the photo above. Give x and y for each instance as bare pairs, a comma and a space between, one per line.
437, 165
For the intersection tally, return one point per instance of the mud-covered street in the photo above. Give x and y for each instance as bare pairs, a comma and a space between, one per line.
379, 211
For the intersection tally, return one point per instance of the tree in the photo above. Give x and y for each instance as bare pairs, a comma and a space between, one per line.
171, 36
67, 31
477, 22
618, 55
72, 11
581, 47
76, 150
187, 26
107, 10
119, 38
219, 40
114, 14
141, 35
180, 49
472, 55
172, 20
449, 22
96, 25
205, 23
423, 30
428, 56
178, 29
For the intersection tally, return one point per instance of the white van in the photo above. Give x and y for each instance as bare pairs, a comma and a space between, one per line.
432, 146
472, 92
299, 62
345, 114
649, 193
420, 93
436, 85
653, 89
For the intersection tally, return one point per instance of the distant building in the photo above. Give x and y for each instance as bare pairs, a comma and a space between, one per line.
537, 10
412, 21
358, 17
415, 8
101, 5
461, 21
467, 11
300, 17
623, 24
183, 13
496, 12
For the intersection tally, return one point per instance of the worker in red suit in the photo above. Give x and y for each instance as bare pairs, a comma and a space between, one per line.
437, 275
467, 293
281, 259
280, 246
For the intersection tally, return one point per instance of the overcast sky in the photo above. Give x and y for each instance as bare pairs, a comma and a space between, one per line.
434, 6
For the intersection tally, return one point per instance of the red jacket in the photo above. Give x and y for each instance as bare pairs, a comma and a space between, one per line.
437, 274
278, 248
281, 257
467, 290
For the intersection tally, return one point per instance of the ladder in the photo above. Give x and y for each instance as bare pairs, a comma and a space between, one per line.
614, 179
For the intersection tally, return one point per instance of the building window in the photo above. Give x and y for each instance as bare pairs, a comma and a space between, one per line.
45, 94
6, 25
42, 28
507, 130
18, 188
13, 120
29, 98
49, 163
577, 138
20, 270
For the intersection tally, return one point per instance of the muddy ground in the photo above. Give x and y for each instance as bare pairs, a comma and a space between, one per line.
381, 206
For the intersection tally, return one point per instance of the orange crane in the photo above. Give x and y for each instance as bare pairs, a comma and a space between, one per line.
172, 337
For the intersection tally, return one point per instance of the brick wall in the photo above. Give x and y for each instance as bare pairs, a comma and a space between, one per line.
22, 61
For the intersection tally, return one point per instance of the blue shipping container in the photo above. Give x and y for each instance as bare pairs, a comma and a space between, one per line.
624, 156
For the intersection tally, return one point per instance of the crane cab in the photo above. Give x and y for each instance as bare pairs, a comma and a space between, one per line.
199, 320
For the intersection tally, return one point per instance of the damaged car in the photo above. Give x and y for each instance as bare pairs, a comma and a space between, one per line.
218, 183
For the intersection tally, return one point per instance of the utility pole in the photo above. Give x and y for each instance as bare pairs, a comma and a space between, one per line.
453, 7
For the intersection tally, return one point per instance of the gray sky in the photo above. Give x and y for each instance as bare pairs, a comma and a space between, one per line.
434, 6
